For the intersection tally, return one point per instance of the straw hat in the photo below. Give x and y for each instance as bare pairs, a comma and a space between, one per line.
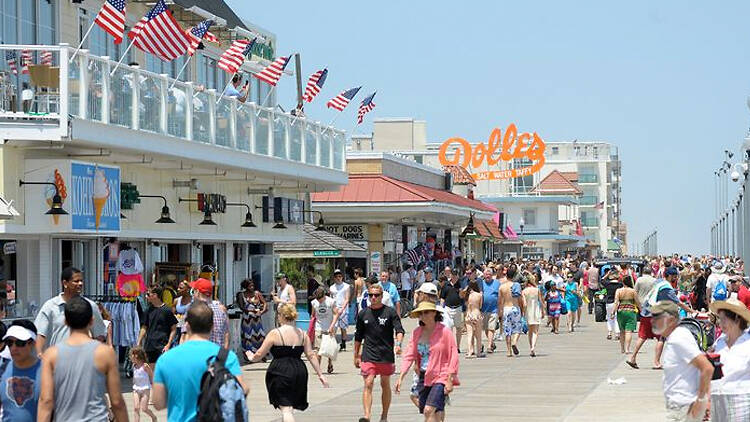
732, 305
423, 306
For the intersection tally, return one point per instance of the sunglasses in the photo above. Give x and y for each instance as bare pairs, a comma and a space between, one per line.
19, 343
376, 294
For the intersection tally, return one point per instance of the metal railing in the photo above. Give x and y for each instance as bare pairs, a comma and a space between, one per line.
588, 178
589, 200
590, 222
144, 101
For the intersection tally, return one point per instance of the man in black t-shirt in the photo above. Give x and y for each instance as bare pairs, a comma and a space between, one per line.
377, 325
158, 328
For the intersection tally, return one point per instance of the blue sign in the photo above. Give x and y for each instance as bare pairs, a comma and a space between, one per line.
95, 197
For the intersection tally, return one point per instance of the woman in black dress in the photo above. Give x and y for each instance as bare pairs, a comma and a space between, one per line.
286, 377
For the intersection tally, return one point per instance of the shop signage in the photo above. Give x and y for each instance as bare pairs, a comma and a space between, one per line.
212, 202
9, 248
351, 232
129, 195
288, 210
326, 253
500, 147
411, 237
94, 198
529, 243
375, 262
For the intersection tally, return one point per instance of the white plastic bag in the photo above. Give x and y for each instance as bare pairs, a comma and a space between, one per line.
328, 347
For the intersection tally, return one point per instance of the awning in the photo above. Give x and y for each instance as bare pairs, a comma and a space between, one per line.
612, 245
7, 211
488, 229
319, 244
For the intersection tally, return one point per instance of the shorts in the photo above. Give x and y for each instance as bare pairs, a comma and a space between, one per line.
377, 368
457, 316
512, 321
489, 321
343, 321
433, 395
644, 330
152, 355
627, 320
416, 385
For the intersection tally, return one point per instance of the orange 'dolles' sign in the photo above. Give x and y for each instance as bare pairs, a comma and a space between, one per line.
512, 146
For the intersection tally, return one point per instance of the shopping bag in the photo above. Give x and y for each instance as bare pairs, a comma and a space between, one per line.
328, 347
311, 329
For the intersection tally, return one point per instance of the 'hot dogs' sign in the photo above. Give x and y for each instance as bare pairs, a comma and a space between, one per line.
500, 147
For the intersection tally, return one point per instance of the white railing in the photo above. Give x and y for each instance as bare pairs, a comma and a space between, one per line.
143, 101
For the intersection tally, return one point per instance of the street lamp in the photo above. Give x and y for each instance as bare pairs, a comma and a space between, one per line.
56, 207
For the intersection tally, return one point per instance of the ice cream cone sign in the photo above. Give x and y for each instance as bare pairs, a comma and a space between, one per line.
101, 194
50, 193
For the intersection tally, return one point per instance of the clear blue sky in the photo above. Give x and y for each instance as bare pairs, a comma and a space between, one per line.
665, 81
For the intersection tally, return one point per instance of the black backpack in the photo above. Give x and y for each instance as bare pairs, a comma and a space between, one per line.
699, 332
221, 397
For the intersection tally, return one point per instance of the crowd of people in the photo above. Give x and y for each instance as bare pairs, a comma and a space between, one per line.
65, 357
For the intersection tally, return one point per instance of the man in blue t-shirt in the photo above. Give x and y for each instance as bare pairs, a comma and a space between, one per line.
392, 290
21, 380
177, 378
490, 289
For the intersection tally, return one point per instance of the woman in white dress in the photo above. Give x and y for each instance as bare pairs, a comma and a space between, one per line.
534, 311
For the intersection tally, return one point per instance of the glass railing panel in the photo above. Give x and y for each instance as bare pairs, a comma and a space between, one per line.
149, 103
95, 90
74, 87
325, 148
339, 144
311, 143
244, 127
121, 96
262, 132
280, 123
223, 122
176, 112
296, 132
201, 117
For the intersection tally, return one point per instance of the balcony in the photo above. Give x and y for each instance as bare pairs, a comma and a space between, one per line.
589, 200
588, 178
590, 222
151, 115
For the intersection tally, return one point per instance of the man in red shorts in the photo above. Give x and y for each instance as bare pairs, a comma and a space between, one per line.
376, 325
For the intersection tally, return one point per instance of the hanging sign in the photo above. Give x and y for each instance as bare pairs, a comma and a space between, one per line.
499, 147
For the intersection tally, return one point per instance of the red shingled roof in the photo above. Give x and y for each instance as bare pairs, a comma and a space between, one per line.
556, 183
461, 176
488, 228
379, 188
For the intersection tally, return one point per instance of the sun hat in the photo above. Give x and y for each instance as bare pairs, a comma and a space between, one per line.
19, 333
665, 306
428, 288
733, 305
423, 306
718, 267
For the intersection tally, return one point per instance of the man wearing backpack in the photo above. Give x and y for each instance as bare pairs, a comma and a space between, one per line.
717, 285
178, 373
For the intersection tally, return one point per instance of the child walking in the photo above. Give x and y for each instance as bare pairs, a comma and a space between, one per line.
143, 376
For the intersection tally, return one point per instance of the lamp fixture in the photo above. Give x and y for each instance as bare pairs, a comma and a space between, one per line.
207, 220
321, 225
165, 217
279, 221
248, 215
56, 208
469, 230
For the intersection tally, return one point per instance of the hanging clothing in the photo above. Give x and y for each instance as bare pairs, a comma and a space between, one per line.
130, 274
125, 323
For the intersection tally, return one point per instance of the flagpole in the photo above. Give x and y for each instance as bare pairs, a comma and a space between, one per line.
331, 123
125, 53
221, 95
264, 100
180, 73
82, 41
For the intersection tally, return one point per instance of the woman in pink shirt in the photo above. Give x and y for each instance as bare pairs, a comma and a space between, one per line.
432, 348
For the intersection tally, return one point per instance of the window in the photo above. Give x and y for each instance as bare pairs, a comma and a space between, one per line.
529, 217
419, 159
171, 68
209, 74
522, 184
555, 150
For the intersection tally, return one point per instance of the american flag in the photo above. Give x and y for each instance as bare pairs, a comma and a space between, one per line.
159, 33
314, 84
340, 101
600, 205
25, 61
45, 58
272, 73
364, 108
197, 33
111, 19
235, 55
10, 57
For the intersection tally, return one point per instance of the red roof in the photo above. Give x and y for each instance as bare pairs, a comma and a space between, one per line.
488, 228
572, 176
379, 188
556, 183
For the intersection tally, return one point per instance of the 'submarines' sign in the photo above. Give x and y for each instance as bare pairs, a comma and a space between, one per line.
499, 147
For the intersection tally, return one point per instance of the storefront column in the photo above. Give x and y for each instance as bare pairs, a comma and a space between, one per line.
229, 279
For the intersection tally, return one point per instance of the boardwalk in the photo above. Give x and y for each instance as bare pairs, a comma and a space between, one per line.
566, 381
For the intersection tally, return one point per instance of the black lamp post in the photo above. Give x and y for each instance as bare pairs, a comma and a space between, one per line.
207, 218
165, 218
248, 215
321, 225
57, 204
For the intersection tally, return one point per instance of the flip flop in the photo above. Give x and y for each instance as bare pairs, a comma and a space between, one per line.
657, 368
632, 364
515, 350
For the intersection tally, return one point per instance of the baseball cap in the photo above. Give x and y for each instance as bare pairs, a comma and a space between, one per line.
19, 333
665, 306
428, 288
428, 269
203, 285
280, 275
337, 271
672, 271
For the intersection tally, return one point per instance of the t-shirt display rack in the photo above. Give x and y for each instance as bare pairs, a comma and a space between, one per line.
122, 343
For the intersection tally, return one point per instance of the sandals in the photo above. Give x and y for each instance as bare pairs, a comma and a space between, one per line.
330, 368
515, 350
632, 364
533, 354
609, 336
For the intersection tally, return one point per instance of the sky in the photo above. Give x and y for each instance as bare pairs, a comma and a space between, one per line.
667, 82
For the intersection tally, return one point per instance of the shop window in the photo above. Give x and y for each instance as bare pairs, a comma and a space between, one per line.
529, 217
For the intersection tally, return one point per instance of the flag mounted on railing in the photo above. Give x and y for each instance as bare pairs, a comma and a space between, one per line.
600, 205
314, 84
25, 61
198, 33
342, 100
10, 58
579, 228
364, 108
232, 59
272, 73
45, 58
111, 19
159, 33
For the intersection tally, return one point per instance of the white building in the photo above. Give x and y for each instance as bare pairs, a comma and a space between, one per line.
593, 166
122, 151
